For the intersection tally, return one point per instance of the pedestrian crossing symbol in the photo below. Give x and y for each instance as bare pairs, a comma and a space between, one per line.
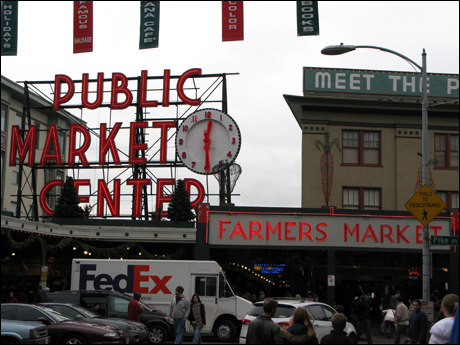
425, 205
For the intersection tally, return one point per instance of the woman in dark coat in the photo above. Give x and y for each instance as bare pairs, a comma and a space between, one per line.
301, 330
197, 317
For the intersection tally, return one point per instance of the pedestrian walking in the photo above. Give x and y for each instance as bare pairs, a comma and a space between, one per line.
361, 305
44, 295
135, 308
337, 335
417, 323
301, 330
11, 298
261, 297
197, 317
394, 300
401, 320
441, 331
179, 310
263, 330
389, 321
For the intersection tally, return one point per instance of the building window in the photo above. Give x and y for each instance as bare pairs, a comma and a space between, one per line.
4, 117
13, 207
16, 172
450, 198
361, 148
446, 149
361, 198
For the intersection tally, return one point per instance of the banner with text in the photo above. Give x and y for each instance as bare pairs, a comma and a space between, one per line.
9, 28
307, 18
232, 21
150, 24
404, 84
82, 26
321, 231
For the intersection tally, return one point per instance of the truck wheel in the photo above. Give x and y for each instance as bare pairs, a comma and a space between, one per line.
157, 335
225, 331
75, 339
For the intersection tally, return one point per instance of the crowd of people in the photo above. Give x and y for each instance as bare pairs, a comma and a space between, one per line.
410, 323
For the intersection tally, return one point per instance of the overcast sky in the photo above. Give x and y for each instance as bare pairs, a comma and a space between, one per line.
269, 62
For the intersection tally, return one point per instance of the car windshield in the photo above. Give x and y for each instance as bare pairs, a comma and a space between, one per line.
89, 313
145, 306
283, 311
54, 314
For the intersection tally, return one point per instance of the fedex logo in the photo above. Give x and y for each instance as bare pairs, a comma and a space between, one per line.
133, 279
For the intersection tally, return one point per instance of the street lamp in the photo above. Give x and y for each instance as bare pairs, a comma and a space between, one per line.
342, 49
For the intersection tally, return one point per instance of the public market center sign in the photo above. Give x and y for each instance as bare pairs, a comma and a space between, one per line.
378, 83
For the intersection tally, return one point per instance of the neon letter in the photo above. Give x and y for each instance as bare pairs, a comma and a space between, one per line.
58, 100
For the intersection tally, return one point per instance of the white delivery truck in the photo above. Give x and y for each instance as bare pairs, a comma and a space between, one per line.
157, 280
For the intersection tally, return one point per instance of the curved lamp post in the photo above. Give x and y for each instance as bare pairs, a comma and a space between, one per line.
342, 49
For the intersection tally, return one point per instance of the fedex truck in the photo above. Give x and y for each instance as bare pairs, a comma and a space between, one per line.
157, 280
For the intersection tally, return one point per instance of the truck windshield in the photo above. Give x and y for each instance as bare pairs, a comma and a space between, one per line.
224, 287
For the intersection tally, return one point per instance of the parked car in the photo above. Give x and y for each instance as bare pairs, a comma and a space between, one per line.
61, 328
115, 304
22, 332
136, 331
321, 312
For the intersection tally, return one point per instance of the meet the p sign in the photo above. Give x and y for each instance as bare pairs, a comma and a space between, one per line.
425, 205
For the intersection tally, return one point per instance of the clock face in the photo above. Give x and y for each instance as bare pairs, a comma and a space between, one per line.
206, 138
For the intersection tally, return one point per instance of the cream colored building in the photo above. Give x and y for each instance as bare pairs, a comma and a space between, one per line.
41, 115
379, 134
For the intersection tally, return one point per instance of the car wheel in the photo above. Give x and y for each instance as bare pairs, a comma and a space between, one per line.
74, 339
157, 335
225, 331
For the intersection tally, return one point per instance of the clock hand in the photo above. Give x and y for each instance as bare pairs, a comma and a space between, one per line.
207, 142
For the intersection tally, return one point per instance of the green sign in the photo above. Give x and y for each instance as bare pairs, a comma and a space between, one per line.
378, 83
307, 18
444, 240
150, 24
9, 28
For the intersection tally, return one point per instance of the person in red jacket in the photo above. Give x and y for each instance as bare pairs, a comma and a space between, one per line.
134, 308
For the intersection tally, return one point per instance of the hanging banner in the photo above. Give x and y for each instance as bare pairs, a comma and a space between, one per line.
307, 18
150, 24
9, 28
82, 26
232, 21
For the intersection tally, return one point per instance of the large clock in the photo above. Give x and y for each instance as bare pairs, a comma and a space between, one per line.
206, 138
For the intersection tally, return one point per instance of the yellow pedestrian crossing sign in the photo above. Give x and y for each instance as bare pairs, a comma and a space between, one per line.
425, 205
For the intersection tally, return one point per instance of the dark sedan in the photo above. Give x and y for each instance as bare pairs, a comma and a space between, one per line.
61, 328
136, 331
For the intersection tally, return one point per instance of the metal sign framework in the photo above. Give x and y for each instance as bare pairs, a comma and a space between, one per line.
141, 171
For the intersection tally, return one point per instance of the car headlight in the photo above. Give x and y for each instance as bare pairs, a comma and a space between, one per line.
111, 334
129, 327
34, 333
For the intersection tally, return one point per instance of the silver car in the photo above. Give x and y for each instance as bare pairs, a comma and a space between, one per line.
320, 311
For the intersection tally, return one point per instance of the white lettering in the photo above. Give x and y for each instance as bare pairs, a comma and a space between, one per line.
368, 78
353, 81
232, 27
307, 16
395, 81
307, 9
325, 76
307, 29
452, 84
339, 81
406, 83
